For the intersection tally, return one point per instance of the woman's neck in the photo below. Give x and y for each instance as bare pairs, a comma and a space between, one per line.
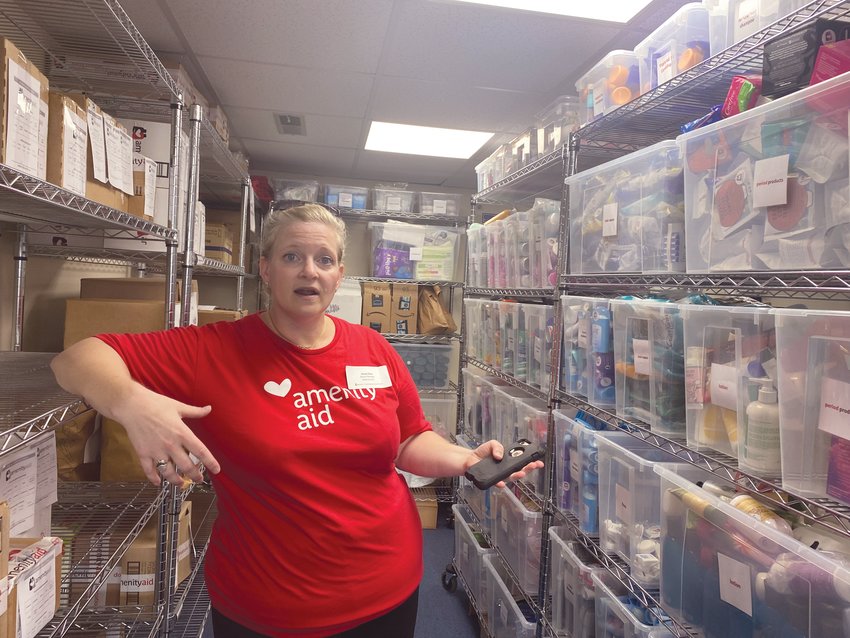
307, 336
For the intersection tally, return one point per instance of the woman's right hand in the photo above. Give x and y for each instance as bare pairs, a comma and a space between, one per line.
155, 426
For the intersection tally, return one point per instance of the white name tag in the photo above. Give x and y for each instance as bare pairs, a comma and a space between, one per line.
359, 377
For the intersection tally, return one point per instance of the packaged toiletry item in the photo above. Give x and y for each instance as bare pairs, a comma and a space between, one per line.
743, 94
758, 510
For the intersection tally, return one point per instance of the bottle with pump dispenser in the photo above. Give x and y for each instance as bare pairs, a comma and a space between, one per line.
761, 451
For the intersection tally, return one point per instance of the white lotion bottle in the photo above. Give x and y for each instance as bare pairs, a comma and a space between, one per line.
761, 447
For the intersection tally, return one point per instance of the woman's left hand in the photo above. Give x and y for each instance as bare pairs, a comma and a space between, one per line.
497, 451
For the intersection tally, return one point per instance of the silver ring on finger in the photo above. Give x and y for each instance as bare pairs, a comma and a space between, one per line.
161, 464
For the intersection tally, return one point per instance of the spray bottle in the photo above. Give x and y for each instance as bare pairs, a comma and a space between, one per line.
761, 445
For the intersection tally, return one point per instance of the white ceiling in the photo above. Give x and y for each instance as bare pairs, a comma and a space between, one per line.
343, 63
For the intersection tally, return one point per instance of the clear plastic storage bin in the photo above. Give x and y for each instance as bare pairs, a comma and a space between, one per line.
681, 42
508, 616
730, 351
476, 254
556, 123
509, 323
474, 313
572, 588
539, 324
618, 616
532, 424
394, 201
347, 196
477, 500
428, 363
505, 422
567, 462
544, 219
407, 251
814, 399
589, 349
295, 190
729, 574
630, 504
441, 414
471, 547
523, 150
497, 256
735, 20
518, 244
517, 530
478, 401
628, 215
649, 364
450, 204
736, 221
612, 82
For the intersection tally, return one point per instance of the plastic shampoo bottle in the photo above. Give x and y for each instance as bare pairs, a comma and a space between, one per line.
761, 448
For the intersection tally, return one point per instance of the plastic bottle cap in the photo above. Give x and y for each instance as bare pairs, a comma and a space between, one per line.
767, 394
690, 57
618, 75
621, 95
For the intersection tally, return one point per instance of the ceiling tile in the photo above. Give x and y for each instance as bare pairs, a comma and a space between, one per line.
453, 105
490, 48
322, 130
287, 89
395, 167
324, 34
154, 25
300, 159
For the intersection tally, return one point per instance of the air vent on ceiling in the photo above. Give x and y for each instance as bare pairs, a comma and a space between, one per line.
288, 124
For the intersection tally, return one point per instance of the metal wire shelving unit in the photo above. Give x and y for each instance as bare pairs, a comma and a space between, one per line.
494, 372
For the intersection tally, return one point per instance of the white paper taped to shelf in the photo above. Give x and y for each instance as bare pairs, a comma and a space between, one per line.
43, 123
770, 181
735, 584
74, 149
17, 488
46, 472
119, 155
22, 120
362, 377
834, 415
97, 143
609, 220
37, 600
724, 386
640, 349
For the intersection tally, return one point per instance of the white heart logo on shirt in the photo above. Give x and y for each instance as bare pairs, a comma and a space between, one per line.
278, 389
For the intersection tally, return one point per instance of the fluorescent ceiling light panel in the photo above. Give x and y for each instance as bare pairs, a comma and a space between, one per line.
424, 140
609, 10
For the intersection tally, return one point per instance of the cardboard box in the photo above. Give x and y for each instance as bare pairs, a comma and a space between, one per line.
833, 59
216, 117
35, 563
98, 188
23, 132
89, 317
143, 201
139, 289
67, 144
377, 303
404, 313
426, 503
789, 58
139, 565
218, 242
232, 221
207, 315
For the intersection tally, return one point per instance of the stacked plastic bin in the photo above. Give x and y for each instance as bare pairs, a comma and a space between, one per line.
556, 123
544, 219
734, 20
428, 363
478, 397
471, 547
506, 420
539, 325
618, 615
588, 347
681, 42
477, 500
814, 390
768, 189
355, 197
440, 204
517, 532
629, 215
572, 587
476, 247
509, 325
732, 575
730, 354
409, 251
506, 616
649, 364
518, 250
612, 82
441, 414
532, 424
497, 255
394, 200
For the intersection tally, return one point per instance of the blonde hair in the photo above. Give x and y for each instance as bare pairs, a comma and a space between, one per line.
277, 220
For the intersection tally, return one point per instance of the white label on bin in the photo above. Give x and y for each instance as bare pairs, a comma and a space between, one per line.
345, 200
664, 67
393, 204
640, 349
770, 181
416, 253
835, 407
746, 19
583, 339
623, 507
440, 206
724, 386
361, 377
600, 93
609, 220
735, 584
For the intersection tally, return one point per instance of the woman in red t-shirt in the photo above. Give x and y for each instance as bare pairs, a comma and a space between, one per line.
302, 420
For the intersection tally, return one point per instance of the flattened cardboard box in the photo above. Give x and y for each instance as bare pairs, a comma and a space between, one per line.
28, 566
67, 144
218, 314
89, 317
376, 306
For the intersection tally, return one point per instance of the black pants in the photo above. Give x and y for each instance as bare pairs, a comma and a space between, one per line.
396, 623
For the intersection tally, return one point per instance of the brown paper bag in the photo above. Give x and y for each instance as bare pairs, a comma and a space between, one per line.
77, 448
118, 459
434, 318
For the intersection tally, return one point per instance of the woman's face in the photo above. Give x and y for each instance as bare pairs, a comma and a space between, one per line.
303, 271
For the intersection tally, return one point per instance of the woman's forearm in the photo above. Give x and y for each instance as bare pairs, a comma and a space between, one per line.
429, 454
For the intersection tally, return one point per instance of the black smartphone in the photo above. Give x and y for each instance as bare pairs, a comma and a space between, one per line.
487, 472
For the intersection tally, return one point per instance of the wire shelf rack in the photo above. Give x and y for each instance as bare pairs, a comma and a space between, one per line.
529, 389
350, 214
547, 294
31, 402
428, 339
543, 177
420, 282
